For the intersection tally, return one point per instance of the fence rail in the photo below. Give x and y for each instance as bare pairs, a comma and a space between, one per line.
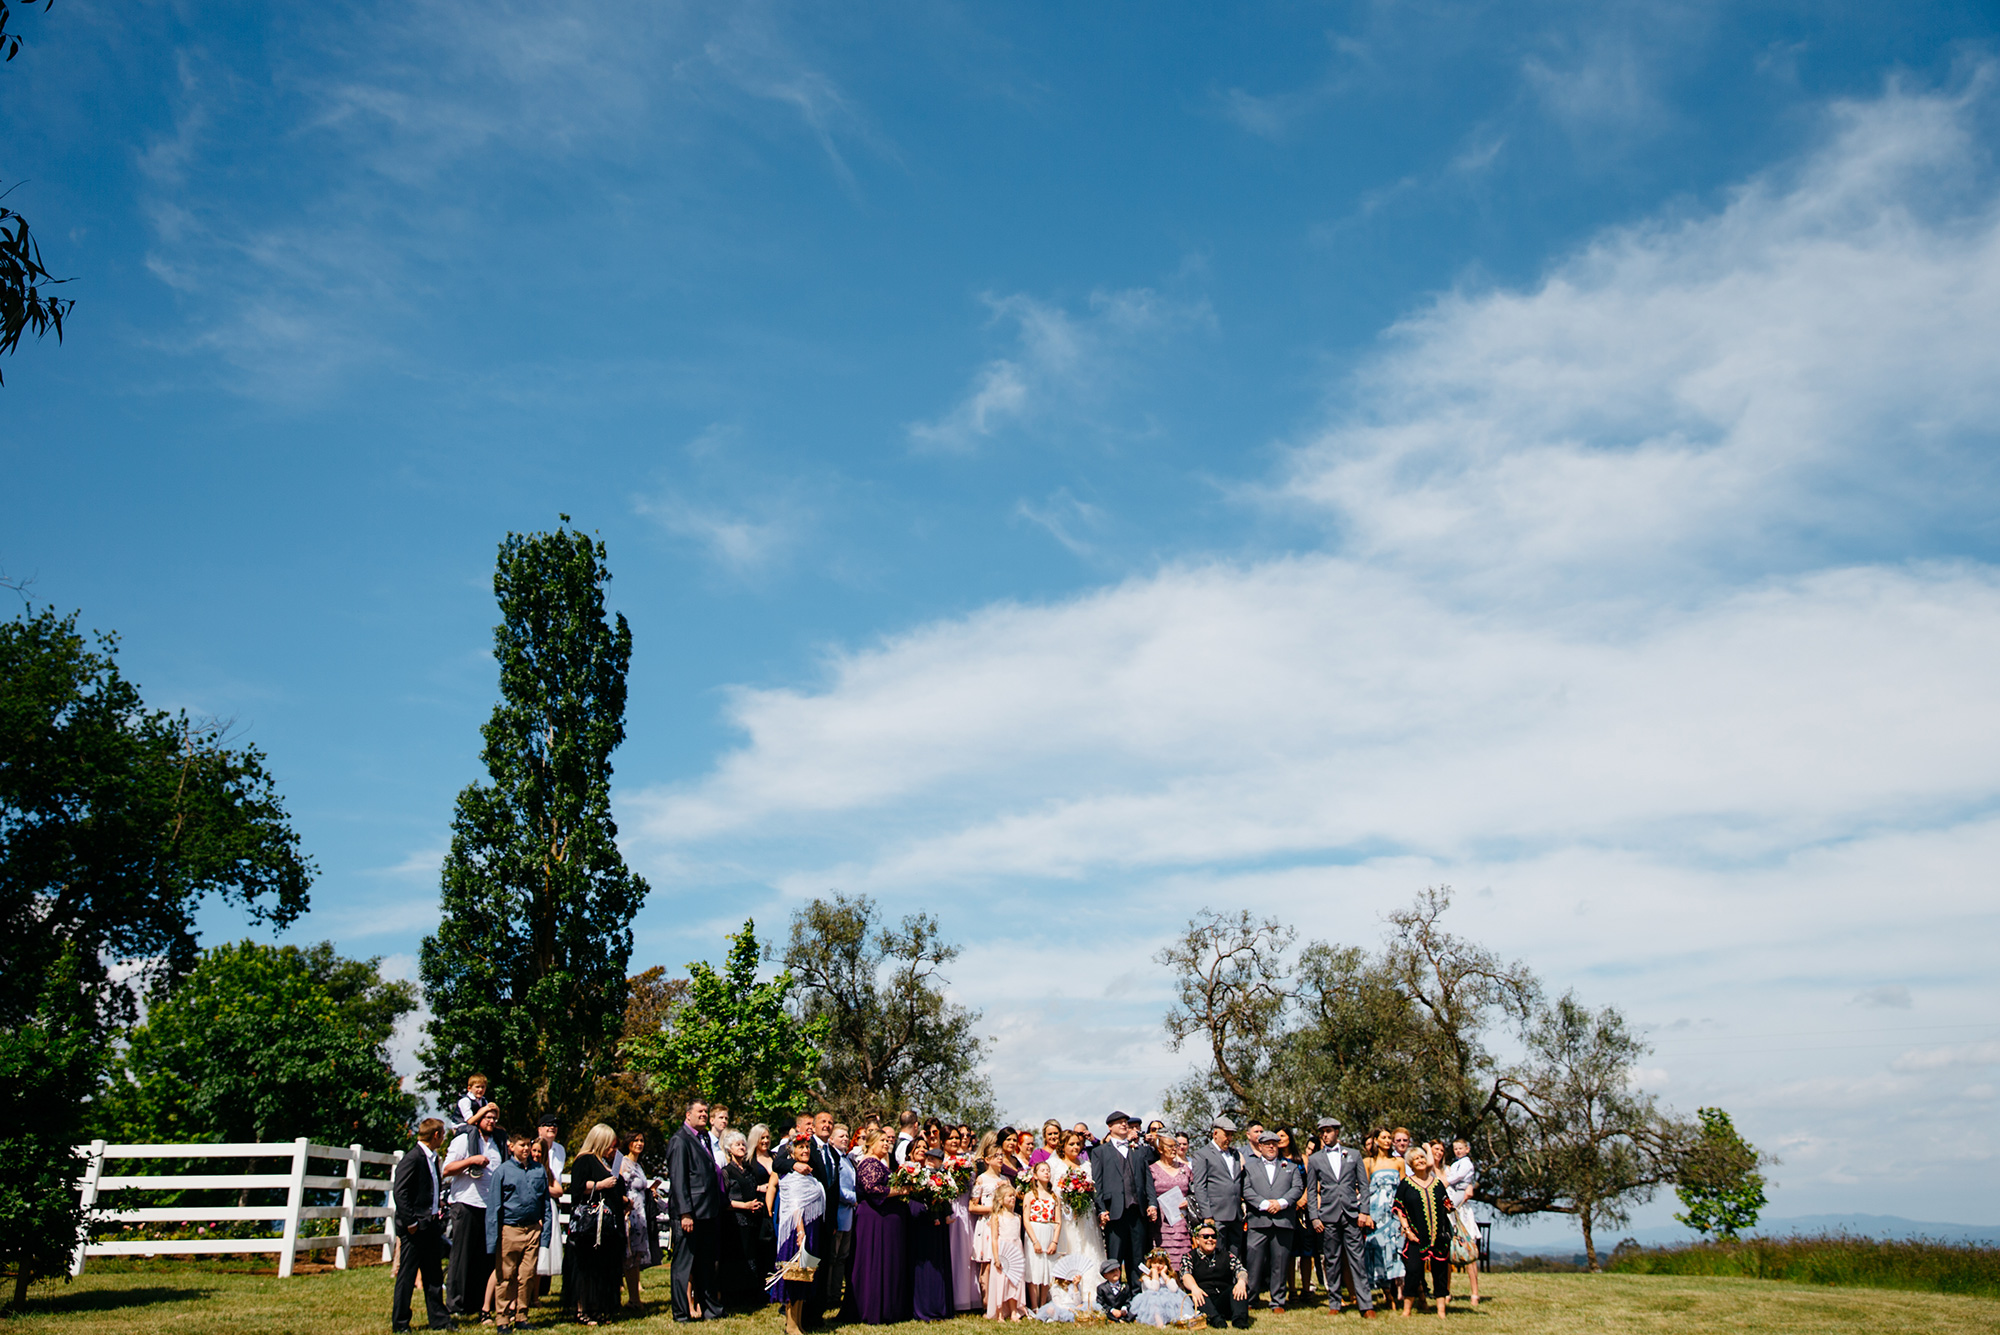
353, 1183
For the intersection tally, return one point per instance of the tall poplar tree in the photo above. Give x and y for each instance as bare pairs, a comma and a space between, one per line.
526, 975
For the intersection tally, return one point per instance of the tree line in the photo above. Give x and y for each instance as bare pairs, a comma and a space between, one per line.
1410, 1034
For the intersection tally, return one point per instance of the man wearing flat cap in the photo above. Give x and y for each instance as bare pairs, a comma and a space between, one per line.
1272, 1188
1127, 1200
1217, 1170
1338, 1215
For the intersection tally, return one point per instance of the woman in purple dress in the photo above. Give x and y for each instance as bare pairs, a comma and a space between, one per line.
881, 1257
801, 1207
930, 1246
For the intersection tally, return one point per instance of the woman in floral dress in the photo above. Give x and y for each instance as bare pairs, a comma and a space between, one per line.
1384, 1244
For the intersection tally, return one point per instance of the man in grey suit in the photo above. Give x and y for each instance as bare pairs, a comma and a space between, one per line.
1217, 1186
1271, 1191
1333, 1204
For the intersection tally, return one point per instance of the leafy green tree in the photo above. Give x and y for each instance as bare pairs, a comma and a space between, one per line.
1594, 1146
893, 1038
49, 1063
24, 305
1718, 1182
116, 821
526, 974
265, 1043
1400, 1035
632, 1100
736, 1039
1350, 1050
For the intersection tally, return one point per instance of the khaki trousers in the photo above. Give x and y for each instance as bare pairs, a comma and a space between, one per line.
520, 1246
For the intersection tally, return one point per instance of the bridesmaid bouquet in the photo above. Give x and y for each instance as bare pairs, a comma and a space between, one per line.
935, 1187
1077, 1192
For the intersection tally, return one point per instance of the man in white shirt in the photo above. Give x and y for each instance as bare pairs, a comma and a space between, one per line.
415, 1189
718, 1122
1339, 1215
468, 1164
1271, 1191
906, 1135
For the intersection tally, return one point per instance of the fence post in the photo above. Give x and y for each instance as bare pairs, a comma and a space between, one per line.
92, 1171
295, 1201
350, 1196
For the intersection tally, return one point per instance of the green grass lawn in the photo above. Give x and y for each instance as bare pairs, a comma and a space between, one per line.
171, 1299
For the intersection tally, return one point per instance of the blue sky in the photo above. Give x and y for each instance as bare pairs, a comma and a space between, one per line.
1069, 465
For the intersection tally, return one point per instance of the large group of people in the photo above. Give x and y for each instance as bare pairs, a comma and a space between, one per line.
480, 1220
907, 1218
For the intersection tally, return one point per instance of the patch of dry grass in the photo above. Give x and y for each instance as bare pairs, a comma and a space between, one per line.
165, 1298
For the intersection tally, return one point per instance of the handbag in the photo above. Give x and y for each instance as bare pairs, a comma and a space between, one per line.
802, 1267
1464, 1248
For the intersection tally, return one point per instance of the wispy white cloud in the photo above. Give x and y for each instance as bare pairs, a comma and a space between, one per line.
316, 193
1651, 614
742, 543
1063, 517
1062, 362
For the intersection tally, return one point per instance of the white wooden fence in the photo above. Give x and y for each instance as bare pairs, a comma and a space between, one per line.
352, 1184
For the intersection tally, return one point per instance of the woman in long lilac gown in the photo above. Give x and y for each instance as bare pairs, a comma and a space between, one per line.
881, 1254
964, 1275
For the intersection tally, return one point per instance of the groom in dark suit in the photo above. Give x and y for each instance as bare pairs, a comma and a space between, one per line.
1127, 1201
1334, 1205
694, 1184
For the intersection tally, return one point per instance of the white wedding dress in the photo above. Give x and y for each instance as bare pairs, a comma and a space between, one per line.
1081, 1237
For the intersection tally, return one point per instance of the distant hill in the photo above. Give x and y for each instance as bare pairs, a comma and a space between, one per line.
1550, 1243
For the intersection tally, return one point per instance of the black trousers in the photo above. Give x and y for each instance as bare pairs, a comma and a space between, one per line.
419, 1251
696, 1258
1224, 1306
1125, 1240
1342, 1242
465, 1281
1414, 1266
1270, 1263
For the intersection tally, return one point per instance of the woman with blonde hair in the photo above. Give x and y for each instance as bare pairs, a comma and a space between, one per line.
882, 1271
597, 1194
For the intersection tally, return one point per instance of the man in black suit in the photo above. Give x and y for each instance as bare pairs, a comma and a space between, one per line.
1126, 1198
416, 1189
826, 1168
1333, 1203
695, 1184
1271, 1191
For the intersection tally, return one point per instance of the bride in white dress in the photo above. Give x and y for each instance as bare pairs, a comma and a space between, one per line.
1080, 1238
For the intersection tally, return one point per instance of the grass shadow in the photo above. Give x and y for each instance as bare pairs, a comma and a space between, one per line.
76, 1302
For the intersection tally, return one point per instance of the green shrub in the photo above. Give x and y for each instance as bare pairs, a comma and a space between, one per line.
1920, 1263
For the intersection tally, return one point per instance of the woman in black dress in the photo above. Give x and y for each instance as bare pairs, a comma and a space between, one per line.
743, 1280
599, 1194
1424, 1208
